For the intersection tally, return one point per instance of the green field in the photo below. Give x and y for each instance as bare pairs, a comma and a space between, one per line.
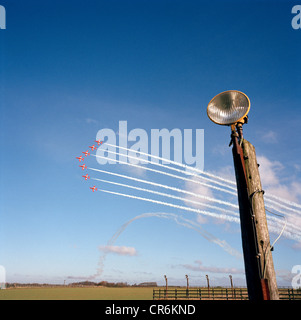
125, 293
65, 293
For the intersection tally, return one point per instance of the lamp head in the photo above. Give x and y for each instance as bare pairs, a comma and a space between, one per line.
229, 108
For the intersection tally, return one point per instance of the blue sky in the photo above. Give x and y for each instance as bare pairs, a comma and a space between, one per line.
68, 71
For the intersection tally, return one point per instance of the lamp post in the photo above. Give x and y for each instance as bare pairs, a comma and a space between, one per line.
231, 108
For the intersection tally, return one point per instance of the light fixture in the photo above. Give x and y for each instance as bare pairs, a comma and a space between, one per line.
229, 108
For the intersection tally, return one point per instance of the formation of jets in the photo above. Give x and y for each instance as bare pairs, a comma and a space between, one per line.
83, 166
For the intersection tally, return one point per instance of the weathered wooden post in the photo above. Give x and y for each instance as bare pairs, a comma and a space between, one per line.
231, 108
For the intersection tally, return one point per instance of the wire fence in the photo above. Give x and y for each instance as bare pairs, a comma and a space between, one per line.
217, 294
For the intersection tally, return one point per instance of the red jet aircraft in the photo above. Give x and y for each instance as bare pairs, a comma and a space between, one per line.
93, 188
93, 147
81, 158
99, 142
86, 153
83, 166
86, 177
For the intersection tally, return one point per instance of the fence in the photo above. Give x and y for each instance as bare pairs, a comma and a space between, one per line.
217, 294
289, 294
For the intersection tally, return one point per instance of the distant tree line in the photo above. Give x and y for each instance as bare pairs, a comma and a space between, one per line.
83, 284
95, 284
18, 285
113, 284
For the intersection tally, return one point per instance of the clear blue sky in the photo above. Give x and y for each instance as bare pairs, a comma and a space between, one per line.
69, 70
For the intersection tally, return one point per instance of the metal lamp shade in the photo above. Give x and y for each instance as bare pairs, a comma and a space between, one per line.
228, 107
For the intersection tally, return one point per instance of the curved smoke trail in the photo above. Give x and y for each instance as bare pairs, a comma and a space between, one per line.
203, 212
179, 220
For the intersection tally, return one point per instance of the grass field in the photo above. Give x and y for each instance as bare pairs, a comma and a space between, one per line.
126, 293
65, 293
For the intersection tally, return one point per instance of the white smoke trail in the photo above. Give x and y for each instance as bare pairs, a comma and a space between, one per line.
203, 212
222, 243
170, 168
167, 187
285, 213
279, 221
168, 195
282, 206
210, 186
179, 220
292, 227
227, 181
292, 218
174, 163
186, 223
274, 220
274, 226
173, 176
294, 204
290, 234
